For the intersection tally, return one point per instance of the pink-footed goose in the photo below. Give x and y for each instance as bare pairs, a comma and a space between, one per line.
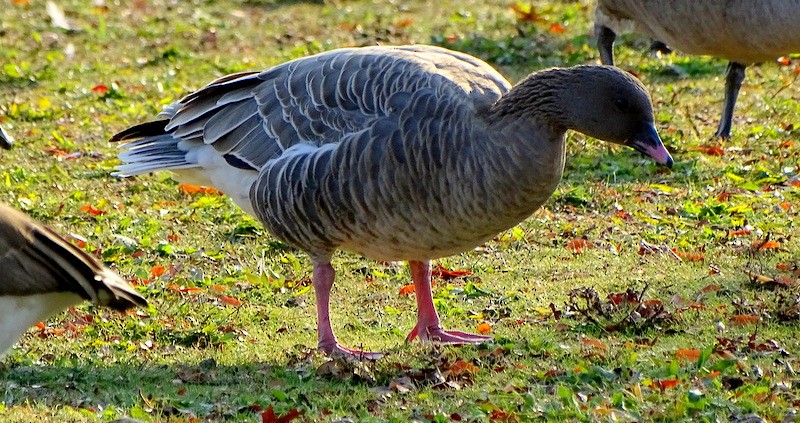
41, 274
397, 153
742, 32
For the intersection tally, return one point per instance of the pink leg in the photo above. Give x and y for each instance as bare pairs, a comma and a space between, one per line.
429, 328
323, 282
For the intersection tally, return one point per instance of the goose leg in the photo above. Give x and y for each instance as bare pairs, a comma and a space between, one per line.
605, 43
322, 280
733, 82
429, 327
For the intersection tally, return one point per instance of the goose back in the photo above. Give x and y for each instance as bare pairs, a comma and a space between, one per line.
742, 31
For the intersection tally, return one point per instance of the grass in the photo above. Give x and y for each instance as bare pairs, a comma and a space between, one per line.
231, 329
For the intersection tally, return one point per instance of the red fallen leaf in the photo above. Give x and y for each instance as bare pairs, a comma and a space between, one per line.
739, 232
744, 319
269, 416
556, 28
404, 23
137, 253
713, 374
197, 189
484, 328
628, 297
579, 245
665, 384
692, 354
710, 150
157, 271
446, 274
525, 15
100, 89
406, 290
786, 267
92, 210
596, 343
230, 301
460, 367
502, 416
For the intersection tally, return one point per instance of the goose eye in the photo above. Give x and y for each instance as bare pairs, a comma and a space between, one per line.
623, 105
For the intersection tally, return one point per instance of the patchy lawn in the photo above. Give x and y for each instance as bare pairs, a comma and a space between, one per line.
636, 293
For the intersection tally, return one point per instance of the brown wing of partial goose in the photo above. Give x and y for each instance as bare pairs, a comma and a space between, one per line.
36, 260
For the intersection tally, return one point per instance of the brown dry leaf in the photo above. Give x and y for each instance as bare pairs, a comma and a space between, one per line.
691, 354
744, 319
596, 343
579, 245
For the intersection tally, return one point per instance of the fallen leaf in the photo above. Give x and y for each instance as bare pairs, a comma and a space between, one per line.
100, 89
446, 274
484, 328
665, 384
404, 23
269, 416
596, 343
459, 367
230, 300
744, 319
692, 354
557, 28
157, 271
406, 290
710, 150
579, 245
765, 245
94, 211
197, 189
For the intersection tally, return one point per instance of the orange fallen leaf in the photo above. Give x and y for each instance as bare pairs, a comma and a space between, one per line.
404, 23
173, 238
784, 61
786, 206
579, 245
744, 319
230, 301
596, 343
217, 288
692, 354
197, 189
94, 211
406, 290
157, 271
765, 245
739, 232
460, 367
40, 325
556, 28
484, 328
100, 89
688, 256
786, 267
710, 150
665, 384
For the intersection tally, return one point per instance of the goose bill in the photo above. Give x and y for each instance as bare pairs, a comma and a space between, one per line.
649, 143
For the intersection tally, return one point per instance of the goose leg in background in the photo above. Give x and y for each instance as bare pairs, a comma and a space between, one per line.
322, 280
733, 82
605, 43
660, 47
429, 327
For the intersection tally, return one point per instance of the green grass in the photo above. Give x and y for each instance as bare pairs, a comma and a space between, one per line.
197, 356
